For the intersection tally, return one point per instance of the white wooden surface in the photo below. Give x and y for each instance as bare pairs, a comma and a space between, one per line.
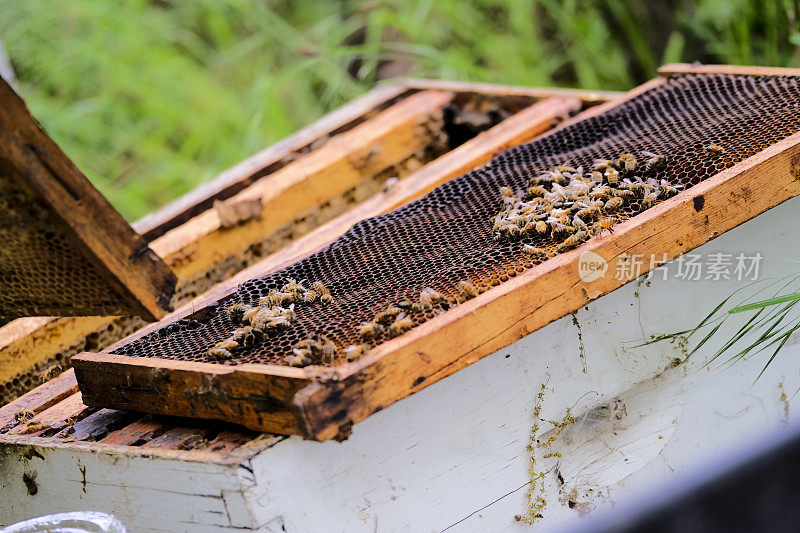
453, 457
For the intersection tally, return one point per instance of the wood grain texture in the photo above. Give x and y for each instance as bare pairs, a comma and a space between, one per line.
96, 230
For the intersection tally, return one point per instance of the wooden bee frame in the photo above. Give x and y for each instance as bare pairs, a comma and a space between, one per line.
64, 220
324, 403
202, 252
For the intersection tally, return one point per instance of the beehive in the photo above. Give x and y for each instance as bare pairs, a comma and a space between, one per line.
346, 157
438, 241
65, 250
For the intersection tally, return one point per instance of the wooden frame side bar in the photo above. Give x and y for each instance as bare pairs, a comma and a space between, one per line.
686, 68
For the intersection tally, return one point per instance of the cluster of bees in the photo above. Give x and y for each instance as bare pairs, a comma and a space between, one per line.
569, 205
392, 321
565, 203
273, 314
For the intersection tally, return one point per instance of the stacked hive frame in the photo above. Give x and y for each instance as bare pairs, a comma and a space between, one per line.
403, 126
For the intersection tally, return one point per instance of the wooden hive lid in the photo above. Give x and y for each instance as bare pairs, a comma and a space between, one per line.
65, 250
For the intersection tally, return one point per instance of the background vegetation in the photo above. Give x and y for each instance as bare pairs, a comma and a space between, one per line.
152, 97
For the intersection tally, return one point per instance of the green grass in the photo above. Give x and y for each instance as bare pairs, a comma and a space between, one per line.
151, 98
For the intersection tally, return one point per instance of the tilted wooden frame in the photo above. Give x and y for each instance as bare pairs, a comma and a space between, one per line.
36, 167
324, 403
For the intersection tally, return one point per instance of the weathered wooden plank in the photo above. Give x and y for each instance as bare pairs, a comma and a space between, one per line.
587, 97
36, 167
54, 418
255, 396
265, 162
136, 433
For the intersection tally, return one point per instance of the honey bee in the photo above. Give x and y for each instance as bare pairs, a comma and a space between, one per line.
605, 223
355, 351
534, 252
429, 296
628, 162
572, 241
23, 416
715, 149
540, 227
289, 313
324, 294
300, 357
387, 316
590, 211
668, 190
236, 312
405, 304
251, 313
467, 289
309, 297
536, 190
613, 203
565, 168
219, 354
603, 165
272, 298
52, 372
600, 193
328, 349
654, 161
649, 199
507, 192
293, 286
624, 193
369, 330
577, 221
227, 344
246, 336
612, 175
546, 177
401, 324
65, 433
562, 229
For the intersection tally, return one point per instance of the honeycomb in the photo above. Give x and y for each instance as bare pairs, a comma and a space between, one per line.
444, 242
42, 269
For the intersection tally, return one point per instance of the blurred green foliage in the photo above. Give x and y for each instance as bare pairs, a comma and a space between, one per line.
152, 97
